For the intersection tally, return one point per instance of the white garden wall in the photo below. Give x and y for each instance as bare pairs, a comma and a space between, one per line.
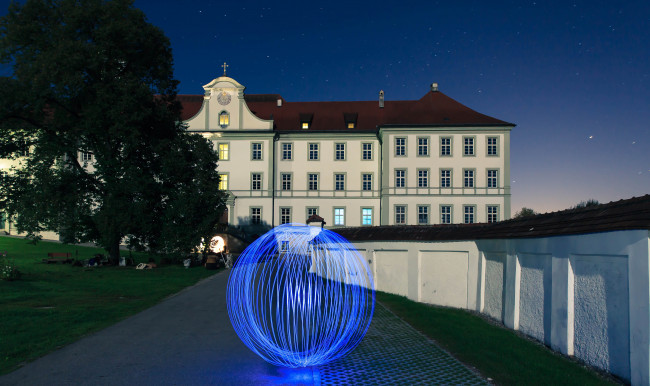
583, 295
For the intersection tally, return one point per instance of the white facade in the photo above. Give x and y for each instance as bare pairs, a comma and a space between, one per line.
277, 174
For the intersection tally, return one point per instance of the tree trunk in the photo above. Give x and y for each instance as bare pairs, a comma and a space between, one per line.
114, 252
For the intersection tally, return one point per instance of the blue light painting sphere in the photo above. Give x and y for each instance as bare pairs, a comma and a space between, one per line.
300, 296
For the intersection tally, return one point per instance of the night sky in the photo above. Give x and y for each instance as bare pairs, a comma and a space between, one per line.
573, 76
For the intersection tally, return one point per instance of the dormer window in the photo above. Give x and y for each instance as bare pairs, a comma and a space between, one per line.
305, 120
224, 119
350, 120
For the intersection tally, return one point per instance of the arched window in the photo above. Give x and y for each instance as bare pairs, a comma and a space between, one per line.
224, 119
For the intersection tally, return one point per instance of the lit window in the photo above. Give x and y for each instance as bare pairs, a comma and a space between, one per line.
423, 214
313, 181
366, 216
350, 125
224, 119
469, 214
313, 151
339, 216
400, 147
339, 154
423, 147
285, 215
423, 178
223, 182
287, 151
468, 180
366, 152
492, 178
224, 152
286, 181
492, 146
256, 215
305, 125
492, 213
445, 178
468, 145
366, 183
400, 178
339, 181
256, 151
400, 214
256, 181
445, 214
445, 146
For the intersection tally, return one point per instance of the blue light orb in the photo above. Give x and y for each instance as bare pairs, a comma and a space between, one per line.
300, 296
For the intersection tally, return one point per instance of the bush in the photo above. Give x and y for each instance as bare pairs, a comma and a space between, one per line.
8, 270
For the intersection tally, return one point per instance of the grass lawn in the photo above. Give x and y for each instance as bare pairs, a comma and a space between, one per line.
52, 305
495, 351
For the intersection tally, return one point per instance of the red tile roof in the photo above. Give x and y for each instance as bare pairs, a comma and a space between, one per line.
433, 109
633, 213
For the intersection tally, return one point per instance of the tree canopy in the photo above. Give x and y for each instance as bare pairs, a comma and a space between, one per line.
92, 99
525, 212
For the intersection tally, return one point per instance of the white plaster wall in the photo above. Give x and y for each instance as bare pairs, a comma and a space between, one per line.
443, 278
601, 320
391, 271
535, 296
494, 284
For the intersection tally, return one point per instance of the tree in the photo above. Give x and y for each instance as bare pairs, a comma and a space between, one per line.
525, 212
94, 77
584, 204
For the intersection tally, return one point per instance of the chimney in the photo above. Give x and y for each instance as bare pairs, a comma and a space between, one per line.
381, 99
434, 87
279, 102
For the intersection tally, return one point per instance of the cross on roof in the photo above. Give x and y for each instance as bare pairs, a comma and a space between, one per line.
224, 65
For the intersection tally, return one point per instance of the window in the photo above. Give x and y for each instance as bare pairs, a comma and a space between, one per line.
313, 151
445, 178
350, 125
423, 178
224, 119
305, 125
256, 181
445, 146
468, 145
339, 181
400, 178
492, 213
493, 146
286, 181
256, 215
224, 152
366, 216
312, 211
400, 214
223, 182
468, 180
284, 245
285, 215
366, 151
86, 156
339, 216
256, 151
445, 214
492, 178
366, 181
423, 214
423, 146
312, 181
469, 214
287, 151
400, 147
339, 153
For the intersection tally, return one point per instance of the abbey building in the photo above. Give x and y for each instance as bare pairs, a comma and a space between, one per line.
381, 162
